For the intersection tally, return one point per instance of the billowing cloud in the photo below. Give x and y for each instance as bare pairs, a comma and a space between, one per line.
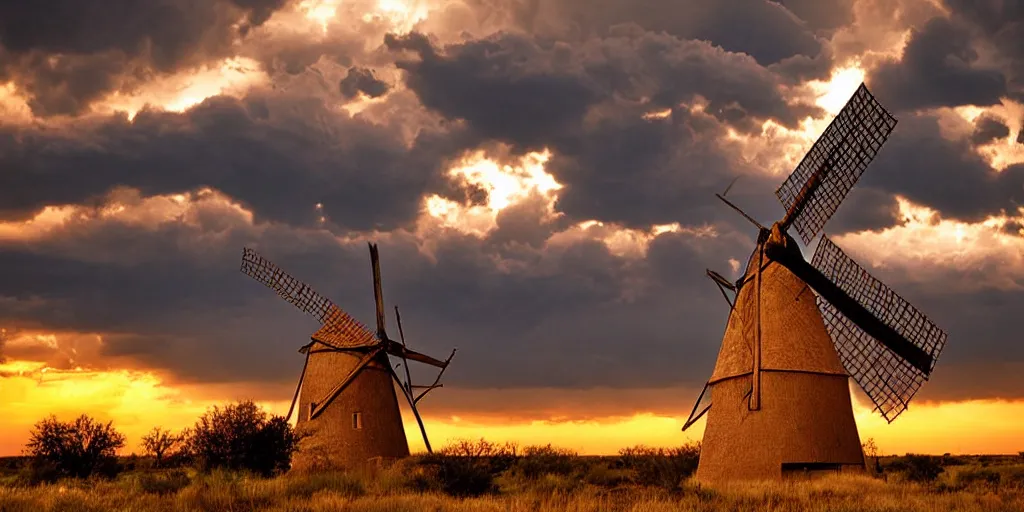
361, 80
67, 54
999, 25
920, 163
265, 150
939, 68
989, 129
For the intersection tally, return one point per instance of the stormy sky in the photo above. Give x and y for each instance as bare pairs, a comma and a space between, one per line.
144, 143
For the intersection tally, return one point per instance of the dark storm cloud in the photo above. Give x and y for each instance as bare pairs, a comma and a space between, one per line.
763, 29
279, 155
821, 15
939, 68
66, 53
573, 316
172, 298
546, 88
361, 80
988, 128
587, 104
947, 175
865, 208
1001, 25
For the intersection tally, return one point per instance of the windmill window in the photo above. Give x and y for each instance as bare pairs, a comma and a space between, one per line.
357, 420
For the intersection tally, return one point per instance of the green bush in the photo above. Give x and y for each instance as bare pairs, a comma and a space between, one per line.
241, 437
602, 476
537, 461
468, 467
461, 475
660, 467
918, 468
168, 482
75, 449
979, 476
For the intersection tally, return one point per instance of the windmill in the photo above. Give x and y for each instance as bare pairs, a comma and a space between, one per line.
797, 331
348, 408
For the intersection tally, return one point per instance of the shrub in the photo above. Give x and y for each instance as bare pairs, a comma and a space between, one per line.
76, 449
660, 467
467, 467
162, 483
461, 475
601, 475
918, 468
241, 436
982, 476
537, 461
159, 443
498, 457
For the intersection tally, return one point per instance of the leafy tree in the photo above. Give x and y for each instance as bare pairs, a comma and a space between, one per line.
76, 449
242, 436
159, 442
871, 451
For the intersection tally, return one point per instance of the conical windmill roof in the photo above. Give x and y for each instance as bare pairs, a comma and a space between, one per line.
793, 335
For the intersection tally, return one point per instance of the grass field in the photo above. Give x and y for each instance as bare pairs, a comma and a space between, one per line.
571, 483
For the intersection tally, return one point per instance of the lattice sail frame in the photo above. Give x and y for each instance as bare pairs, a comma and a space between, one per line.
338, 329
856, 135
888, 379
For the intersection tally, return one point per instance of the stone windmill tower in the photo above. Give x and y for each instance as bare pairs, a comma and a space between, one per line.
779, 394
348, 407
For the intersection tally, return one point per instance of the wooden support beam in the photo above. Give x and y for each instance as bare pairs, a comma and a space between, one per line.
755, 375
378, 294
412, 405
438, 379
316, 408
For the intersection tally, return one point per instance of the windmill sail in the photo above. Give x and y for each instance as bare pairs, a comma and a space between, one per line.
887, 378
813, 192
338, 327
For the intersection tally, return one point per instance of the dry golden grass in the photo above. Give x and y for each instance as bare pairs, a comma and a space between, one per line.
395, 489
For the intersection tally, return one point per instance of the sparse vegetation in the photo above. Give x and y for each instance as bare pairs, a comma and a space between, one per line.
665, 468
237, 449
918, 468
409, 485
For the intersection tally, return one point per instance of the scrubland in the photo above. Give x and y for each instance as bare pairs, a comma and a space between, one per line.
467, 478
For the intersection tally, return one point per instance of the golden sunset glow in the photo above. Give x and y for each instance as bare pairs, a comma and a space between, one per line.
128, 207
621, 241
927, 244
230, 77
402, 15
504, 185
319, 11
13, 107
777, 150
834, 94
136, 401
1002, 152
